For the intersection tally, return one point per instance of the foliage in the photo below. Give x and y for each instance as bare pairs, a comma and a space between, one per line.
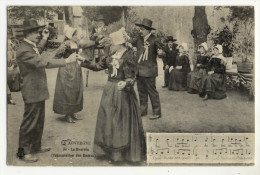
226, 37
35, 12
244, 17
110, 13
240, 38
245, 13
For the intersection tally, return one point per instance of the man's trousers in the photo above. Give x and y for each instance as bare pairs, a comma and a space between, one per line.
32, 127
166, 77
147, 87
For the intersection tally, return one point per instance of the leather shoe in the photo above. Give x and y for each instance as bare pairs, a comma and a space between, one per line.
206, 97
155, 117
11, 102
69, 119
28, 158
43, 150
75, 117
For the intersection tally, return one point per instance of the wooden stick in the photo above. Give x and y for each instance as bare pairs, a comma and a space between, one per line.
87, 73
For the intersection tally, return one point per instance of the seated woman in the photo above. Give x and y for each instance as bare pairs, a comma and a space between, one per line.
178, 75
119, 134
194, 81
214, 84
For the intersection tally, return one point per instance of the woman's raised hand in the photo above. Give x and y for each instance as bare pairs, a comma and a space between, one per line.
106, 41
81, 58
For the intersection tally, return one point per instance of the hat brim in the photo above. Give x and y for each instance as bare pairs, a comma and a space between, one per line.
30, 28
141, 25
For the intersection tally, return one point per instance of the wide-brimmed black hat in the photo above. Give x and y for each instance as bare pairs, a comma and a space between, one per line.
170, 38
146, 23
99, 18
30, 25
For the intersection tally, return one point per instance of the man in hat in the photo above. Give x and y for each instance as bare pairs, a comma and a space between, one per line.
99, 29
97, 33
169, 59
34, 88
147, 69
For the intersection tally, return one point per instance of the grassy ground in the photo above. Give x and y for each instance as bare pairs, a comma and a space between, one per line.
181, 112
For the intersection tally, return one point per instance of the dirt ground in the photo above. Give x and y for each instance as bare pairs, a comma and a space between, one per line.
181, 112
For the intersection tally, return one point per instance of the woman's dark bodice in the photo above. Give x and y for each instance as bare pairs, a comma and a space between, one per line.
183, 60
216, 64
203, 60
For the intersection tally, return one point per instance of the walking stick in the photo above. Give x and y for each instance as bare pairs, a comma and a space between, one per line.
87, 73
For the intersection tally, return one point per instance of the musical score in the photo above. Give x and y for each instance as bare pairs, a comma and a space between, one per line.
200, 148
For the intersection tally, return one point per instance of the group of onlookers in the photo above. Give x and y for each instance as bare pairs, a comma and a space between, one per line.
206, 77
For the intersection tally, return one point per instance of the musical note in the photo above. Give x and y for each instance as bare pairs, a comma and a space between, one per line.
157, 143
183, 151
238, 151
168, 143
248, 151
222, 142
207, 154
220, 151
194, 139
162, 150
195, 151
151, 150
150, 138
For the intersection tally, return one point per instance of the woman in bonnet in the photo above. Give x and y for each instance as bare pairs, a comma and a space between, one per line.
68, 97
178, 75
214, 84
119, 134
195, 77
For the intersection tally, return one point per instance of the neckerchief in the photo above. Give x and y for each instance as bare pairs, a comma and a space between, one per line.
144, 55
115, 62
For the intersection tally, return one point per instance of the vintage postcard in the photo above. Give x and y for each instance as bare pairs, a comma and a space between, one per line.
130, 85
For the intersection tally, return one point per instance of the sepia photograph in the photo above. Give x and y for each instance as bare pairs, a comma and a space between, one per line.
130, 86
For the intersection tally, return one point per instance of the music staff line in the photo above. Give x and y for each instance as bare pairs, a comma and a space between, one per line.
194, 151
185, 142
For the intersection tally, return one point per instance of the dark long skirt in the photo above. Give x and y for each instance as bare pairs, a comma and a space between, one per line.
194, 81
178, 80
68, 97
119, 130
215, 86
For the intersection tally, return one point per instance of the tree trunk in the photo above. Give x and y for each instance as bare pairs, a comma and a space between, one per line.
68, 15
123, 18
201, 28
